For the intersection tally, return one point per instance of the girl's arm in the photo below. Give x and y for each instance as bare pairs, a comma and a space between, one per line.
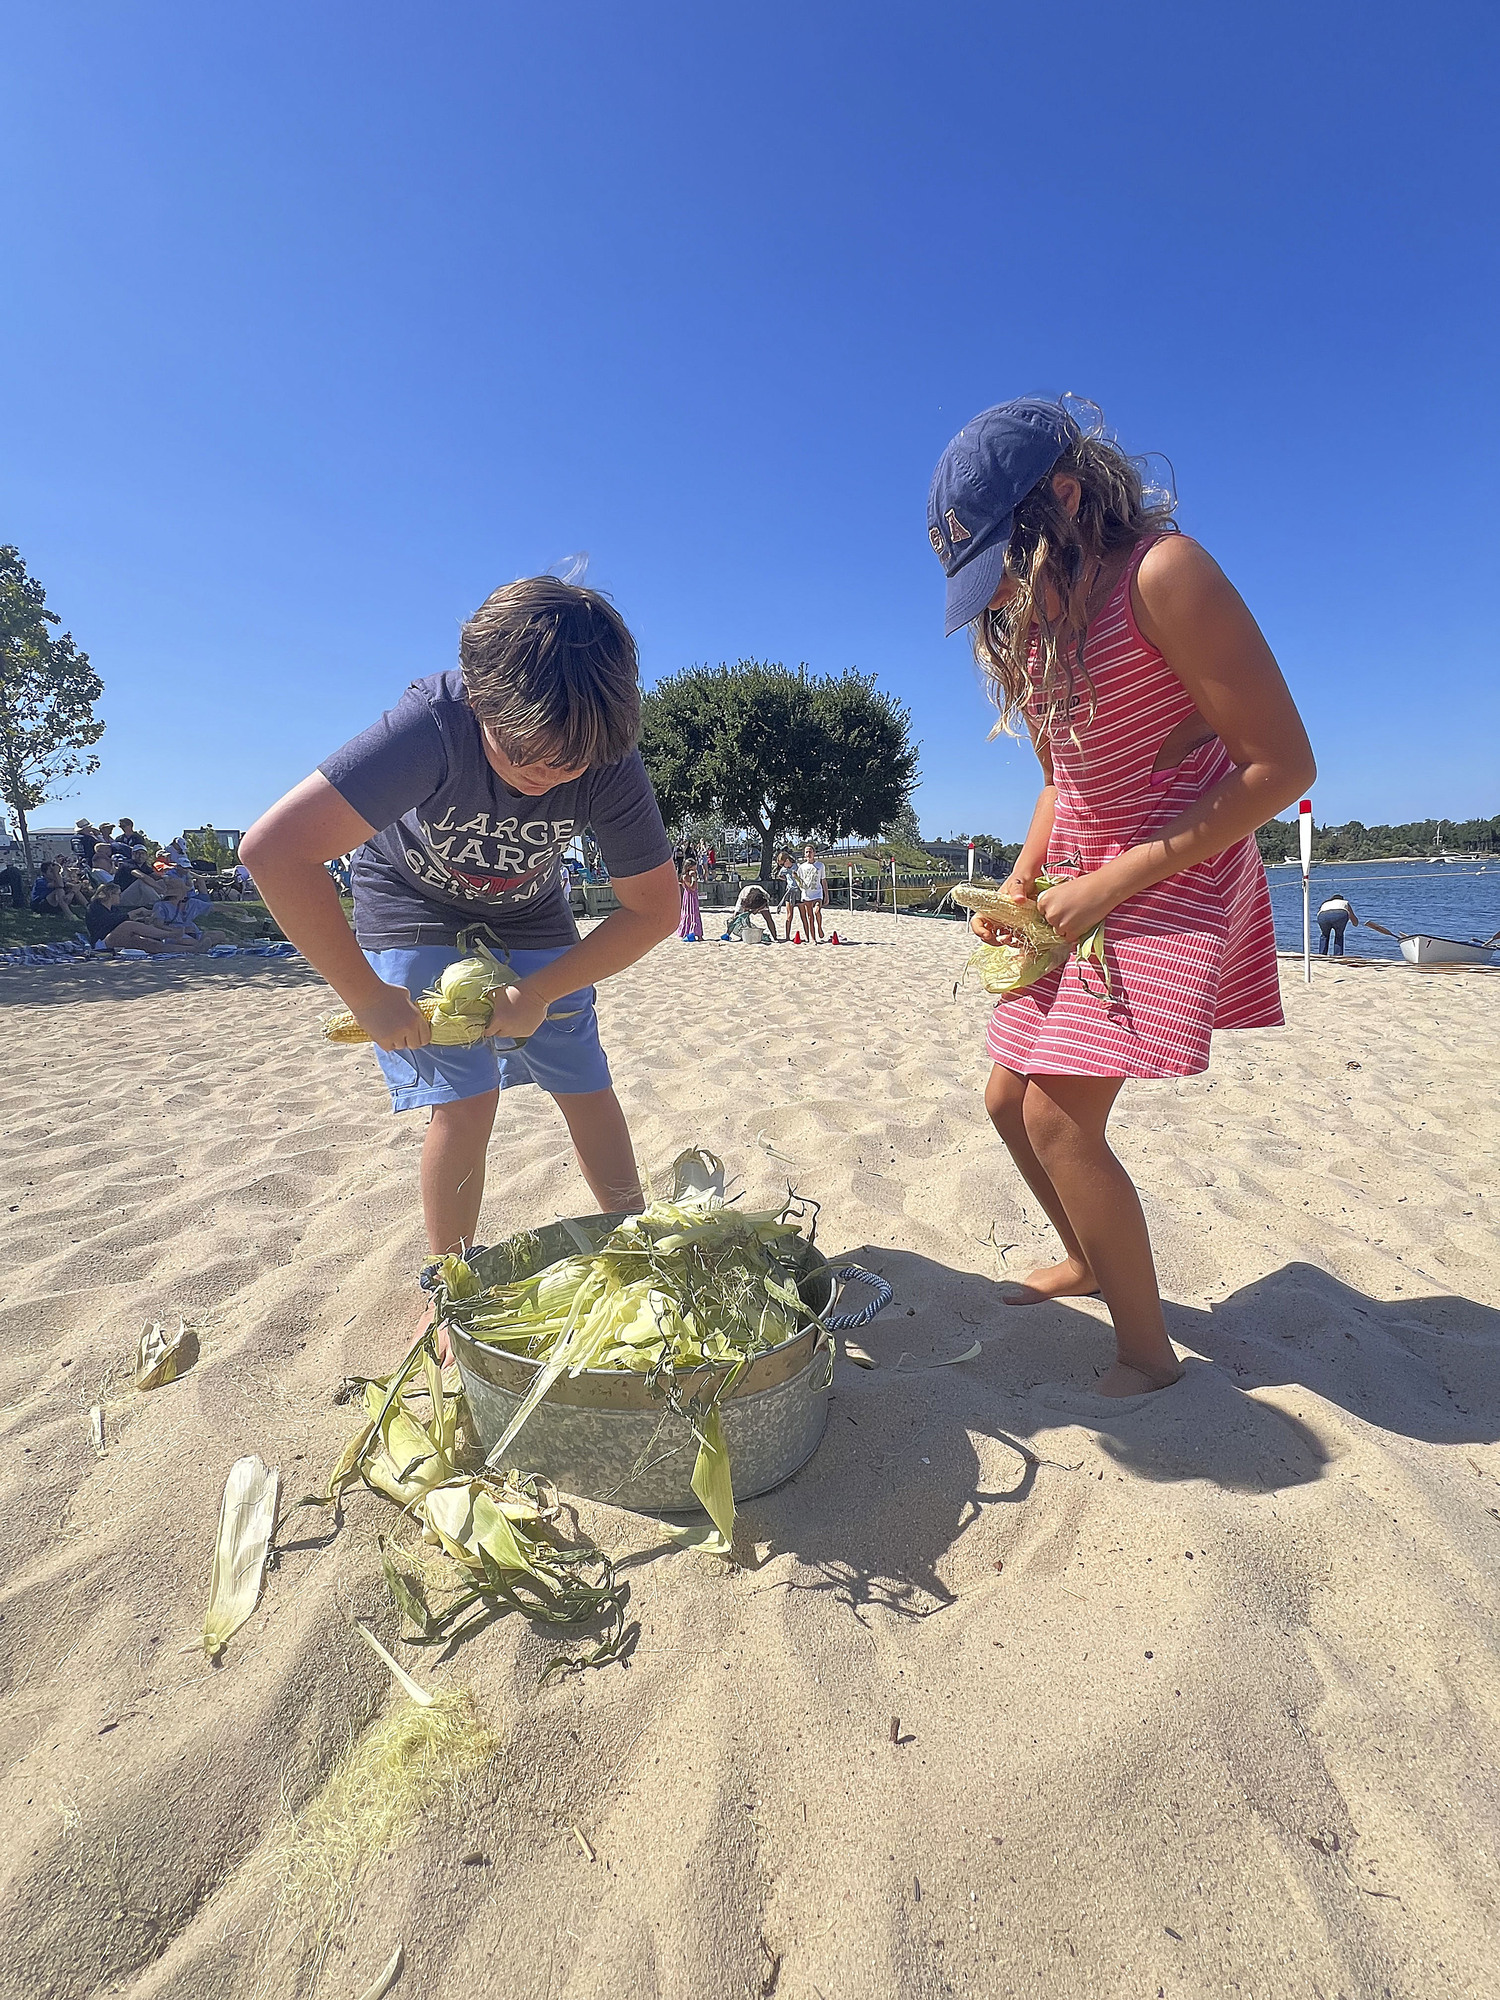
1032, 859
285, 851
1190, 611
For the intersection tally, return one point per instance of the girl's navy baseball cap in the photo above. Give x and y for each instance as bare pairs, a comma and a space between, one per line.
984, 474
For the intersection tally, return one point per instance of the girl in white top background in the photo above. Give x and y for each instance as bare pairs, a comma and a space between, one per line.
812, 884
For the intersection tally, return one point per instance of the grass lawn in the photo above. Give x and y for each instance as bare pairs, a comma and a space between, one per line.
237, 921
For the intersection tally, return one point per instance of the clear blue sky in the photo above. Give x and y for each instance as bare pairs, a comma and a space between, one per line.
320, 321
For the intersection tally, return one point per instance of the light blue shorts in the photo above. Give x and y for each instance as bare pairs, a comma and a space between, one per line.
563, 1056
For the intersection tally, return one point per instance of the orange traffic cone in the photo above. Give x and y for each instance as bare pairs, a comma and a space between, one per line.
796, 937
834, 939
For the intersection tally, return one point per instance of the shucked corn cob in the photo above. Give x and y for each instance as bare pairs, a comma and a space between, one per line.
458, 1006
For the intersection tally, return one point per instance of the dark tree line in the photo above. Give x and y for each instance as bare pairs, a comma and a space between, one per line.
1356, 842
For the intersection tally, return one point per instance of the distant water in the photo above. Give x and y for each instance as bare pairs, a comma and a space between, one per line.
1459, 899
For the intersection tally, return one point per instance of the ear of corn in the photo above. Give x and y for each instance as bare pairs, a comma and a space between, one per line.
458, 1007
1034, 948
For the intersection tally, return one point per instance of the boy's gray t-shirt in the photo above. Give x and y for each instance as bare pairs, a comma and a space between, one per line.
457, 846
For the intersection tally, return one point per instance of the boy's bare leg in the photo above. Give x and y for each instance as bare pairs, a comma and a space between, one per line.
601, 1139
453, 1170
1064, 1118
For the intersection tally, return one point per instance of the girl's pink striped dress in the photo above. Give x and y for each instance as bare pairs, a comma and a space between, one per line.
1194, 953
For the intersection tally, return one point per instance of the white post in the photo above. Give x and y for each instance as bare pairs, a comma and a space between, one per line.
1304, 835
895, 906
971, 861
851, 885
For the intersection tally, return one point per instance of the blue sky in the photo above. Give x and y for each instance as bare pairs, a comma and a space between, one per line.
323, 320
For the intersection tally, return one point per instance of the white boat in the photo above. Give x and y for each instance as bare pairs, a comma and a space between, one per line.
1446, 951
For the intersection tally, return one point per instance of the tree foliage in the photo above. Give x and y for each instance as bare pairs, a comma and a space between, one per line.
47, 695
1278, 839
784, 753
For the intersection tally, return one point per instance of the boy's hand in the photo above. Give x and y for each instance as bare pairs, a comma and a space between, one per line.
392, 1021
515, 1013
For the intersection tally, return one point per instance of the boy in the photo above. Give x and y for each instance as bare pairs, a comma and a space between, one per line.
461, 801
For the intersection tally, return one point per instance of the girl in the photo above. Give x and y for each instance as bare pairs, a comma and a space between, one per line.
690, 930
1166, 736
812, 879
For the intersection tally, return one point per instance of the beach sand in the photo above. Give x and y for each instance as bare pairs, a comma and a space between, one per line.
1194, 1695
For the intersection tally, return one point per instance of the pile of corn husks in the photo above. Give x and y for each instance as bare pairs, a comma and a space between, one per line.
1034, 949
687, 1286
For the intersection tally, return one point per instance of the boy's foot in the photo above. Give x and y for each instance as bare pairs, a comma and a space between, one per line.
1123, 1380
1067, 1280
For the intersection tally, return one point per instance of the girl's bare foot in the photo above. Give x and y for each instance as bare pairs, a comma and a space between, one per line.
1123, 1380
1071, 1279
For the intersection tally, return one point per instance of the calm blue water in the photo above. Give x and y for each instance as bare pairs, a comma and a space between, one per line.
1453, 899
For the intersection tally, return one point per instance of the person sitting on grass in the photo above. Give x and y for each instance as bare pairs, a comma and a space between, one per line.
52, 896
176, 910
122, 930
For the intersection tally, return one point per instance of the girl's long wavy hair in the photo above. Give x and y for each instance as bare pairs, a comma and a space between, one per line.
1031, 652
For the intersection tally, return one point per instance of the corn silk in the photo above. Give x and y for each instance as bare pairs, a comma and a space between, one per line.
1033, 948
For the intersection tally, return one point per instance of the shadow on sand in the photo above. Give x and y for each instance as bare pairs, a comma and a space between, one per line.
915, 1452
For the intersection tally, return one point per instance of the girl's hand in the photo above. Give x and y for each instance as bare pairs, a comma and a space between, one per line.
1075, 906
515, 1013
392, 1021
1020, 888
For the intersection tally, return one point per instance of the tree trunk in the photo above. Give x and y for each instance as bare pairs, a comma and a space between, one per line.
25, 832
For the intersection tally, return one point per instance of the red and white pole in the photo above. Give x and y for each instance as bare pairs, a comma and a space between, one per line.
971, 861
1304, 836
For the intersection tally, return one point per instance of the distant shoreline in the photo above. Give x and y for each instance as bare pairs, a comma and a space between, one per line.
1374, 861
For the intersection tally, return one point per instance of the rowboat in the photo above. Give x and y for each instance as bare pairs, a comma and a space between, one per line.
1447, 951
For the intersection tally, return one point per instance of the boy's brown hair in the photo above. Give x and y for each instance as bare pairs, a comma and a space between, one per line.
551, 670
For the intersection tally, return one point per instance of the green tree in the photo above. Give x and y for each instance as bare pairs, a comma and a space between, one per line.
905, 830
758, 746
47, 695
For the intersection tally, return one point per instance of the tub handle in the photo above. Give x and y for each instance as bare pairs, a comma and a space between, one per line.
848, 1321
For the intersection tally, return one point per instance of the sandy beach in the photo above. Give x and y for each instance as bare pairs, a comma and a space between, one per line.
1013, 1692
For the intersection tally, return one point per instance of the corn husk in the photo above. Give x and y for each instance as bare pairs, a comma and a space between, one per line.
1034, 948
160, 1357
500, 1536
247, 1520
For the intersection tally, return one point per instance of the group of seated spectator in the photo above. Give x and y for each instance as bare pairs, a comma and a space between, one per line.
122, 897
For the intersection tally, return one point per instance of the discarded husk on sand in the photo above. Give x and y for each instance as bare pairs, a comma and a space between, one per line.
1035, 948
502, 1536
160, 1357
247, 1521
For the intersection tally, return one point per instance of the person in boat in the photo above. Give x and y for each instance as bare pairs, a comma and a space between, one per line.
1334, 916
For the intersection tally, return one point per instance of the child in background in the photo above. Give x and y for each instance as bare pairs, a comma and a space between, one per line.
1166, 736
690, 929
461, 801
812, 889
752, 907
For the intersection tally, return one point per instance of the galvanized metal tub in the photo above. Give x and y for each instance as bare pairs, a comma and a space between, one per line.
590, 1430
